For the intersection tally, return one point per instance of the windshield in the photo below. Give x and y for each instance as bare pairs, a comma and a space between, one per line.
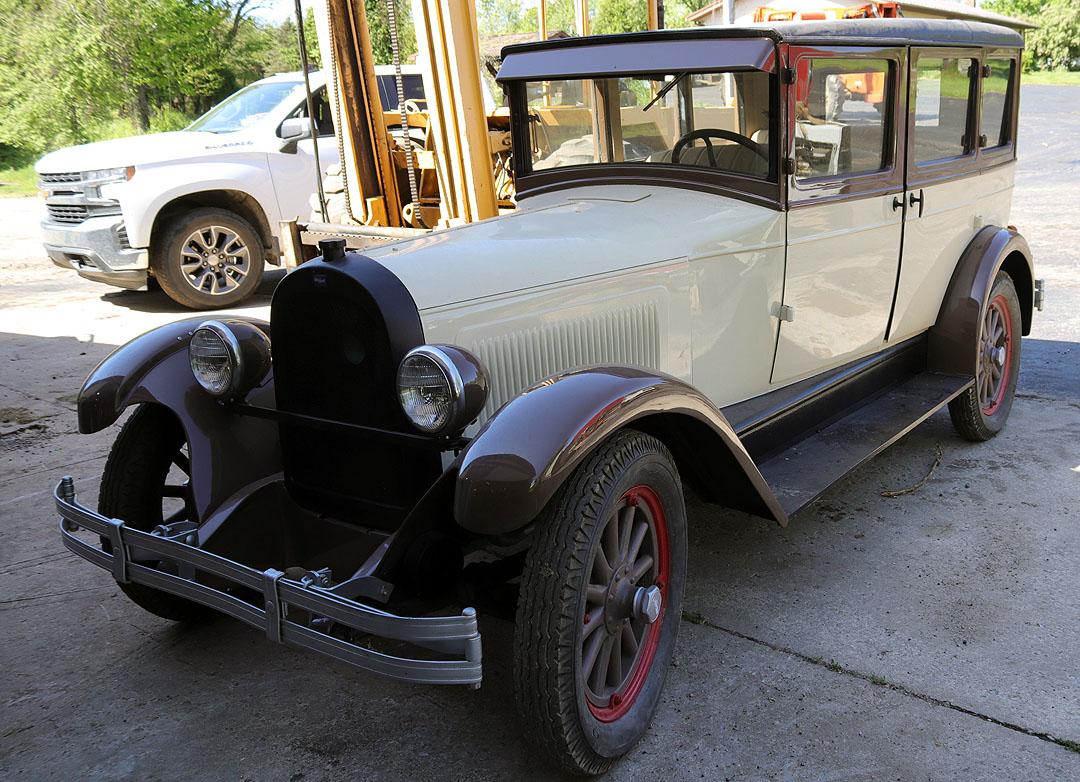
716, 120
244, 108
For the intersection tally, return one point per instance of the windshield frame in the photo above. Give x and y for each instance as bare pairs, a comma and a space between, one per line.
768, 191
267, 116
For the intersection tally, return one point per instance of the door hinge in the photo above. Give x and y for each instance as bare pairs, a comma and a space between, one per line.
787, 75
789, 166
784, 312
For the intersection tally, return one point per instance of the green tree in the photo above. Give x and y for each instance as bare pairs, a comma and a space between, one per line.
620, 16
379, 30
1055, 43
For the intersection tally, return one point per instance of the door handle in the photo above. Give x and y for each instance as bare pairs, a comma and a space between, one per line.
897, 203
916, 199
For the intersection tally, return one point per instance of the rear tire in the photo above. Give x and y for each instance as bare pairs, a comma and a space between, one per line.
980, 413
150, 445
208, 258
614, 532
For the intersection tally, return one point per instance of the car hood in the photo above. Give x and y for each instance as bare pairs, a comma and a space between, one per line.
571, 235
139, 150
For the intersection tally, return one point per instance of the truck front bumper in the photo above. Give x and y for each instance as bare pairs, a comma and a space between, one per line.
97, 249
134, 552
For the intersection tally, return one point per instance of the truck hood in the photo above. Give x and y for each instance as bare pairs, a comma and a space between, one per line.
571, 235
140, 150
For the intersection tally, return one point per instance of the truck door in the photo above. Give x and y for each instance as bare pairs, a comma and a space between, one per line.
948, 141
846, 198
294, 172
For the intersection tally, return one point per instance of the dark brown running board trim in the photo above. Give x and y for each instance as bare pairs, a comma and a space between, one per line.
801, 473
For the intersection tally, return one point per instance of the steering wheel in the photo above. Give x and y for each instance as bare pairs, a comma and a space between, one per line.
706, 133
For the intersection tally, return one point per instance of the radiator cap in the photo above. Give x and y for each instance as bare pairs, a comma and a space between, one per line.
332, 249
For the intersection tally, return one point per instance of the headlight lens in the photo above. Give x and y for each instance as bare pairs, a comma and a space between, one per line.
103, 175
215, 357
427, 389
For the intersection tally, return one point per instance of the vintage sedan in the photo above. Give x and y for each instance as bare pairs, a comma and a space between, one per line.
723, 273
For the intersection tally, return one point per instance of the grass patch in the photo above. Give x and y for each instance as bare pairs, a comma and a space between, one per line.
1067, 78
17, 177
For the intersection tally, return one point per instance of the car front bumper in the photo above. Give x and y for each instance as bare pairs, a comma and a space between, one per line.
133, 551
96, 249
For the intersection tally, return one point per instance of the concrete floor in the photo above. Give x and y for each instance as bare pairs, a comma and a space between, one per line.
929, 636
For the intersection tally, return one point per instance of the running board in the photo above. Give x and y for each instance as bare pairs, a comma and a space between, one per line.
802, 472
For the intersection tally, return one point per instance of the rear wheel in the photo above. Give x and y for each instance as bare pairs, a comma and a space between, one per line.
980, 412
208, 258
600, 605
146, 483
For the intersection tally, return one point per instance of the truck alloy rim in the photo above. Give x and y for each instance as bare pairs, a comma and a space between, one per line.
624, 604
995, 354
215, 260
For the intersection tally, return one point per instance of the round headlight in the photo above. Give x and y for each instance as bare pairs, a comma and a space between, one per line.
215, 357
442, 389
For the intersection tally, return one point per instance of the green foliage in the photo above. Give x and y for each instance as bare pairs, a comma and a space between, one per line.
620, 16
1056, 41
73, 71
379, 30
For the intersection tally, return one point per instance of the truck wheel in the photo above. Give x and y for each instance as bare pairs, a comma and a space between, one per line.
600, 605
145, 484
208, 258
980, 412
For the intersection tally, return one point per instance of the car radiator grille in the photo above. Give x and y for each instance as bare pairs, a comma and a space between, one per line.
629, 336
67, 213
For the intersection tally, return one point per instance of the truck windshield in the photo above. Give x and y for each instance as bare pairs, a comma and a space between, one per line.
244, 108
718, 120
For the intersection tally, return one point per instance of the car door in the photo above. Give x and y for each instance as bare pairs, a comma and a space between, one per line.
845, 213
947, 146
294, 173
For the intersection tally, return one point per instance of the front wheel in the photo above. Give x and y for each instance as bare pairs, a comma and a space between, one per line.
147, 483
980, 412
600, 604
208, 258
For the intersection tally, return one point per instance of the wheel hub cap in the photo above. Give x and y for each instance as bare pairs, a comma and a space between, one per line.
215, 260
624, 603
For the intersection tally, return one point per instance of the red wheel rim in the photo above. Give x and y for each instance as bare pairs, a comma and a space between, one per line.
611, 625
995, 355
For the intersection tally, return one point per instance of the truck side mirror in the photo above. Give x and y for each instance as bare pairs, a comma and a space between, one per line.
292, 130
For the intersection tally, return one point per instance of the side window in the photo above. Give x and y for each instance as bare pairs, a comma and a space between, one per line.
324, 118
942, 96
841, 116
997, 90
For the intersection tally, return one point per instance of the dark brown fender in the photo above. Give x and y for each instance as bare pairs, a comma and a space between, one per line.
953, 340
228, 451
531, 445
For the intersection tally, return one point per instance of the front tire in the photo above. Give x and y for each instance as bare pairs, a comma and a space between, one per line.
981, 412
208, 258
145, 484
600, 604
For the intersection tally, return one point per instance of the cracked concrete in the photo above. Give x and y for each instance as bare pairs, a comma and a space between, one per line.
929, 636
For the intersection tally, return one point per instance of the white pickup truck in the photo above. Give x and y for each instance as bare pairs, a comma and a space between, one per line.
198, 209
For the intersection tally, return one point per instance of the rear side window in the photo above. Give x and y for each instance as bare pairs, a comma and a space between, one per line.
996, 121
841, 111
942, 97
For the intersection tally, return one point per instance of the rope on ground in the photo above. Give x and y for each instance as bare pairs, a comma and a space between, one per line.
915, 487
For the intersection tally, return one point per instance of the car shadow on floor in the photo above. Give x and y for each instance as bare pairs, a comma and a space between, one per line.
157, 301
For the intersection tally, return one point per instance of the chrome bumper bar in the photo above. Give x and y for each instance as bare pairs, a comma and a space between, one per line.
452, 636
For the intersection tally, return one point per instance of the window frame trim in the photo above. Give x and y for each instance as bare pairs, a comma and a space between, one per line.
850, 186
1001, 153
921, 174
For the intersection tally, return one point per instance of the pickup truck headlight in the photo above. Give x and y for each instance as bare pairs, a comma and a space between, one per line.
103, 175
228, 358
442, 388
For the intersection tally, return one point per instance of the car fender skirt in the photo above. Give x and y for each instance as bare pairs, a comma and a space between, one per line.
952, 345
226, 451
525, 452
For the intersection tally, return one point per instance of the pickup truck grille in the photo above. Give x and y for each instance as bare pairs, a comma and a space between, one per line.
56, 179
67, 213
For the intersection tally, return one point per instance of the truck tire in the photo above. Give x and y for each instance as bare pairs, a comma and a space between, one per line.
134, 488
208, 258
981, 412
600, 605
